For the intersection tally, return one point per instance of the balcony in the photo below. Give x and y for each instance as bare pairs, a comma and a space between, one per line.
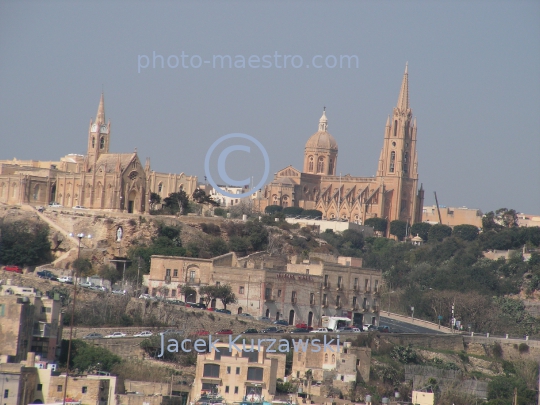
294, 300
326, 285
339, 287
367, 290
374, 308
167, 279
193, 281
356, 288
354, 307
270, 298
325, 305
312, 303
42, 330
338, 305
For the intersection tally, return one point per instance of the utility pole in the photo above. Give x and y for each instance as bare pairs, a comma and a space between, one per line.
438, 210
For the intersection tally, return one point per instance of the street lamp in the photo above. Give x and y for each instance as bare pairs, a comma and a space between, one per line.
80, 236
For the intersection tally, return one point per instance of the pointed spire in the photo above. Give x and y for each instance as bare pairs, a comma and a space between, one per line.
323, 122
100, 116
403, 99
388, 121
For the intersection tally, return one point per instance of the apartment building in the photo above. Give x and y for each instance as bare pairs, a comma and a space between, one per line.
30, 322
234, 376
272, 287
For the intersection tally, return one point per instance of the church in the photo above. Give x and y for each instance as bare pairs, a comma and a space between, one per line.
98, 180
392, 194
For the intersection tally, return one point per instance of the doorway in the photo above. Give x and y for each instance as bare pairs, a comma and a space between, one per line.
291, 317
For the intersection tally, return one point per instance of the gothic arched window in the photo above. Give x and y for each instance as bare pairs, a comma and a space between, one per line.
331, 166
93, 142
395, 128
160, 187
102, 142
320, 165
392, 161
326, 357
310, 164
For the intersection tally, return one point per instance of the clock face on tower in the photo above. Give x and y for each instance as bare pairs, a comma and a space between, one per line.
94, 128
103, 129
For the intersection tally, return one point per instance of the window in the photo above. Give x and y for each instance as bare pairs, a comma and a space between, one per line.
93, 142
236, 390
330, 166
326, 357
160, 187
376, 285
39, 387
255, 374
279, 293
325, 299
226, 389
340, 282
175, 273
326, 280
211, 370
238, 370
253, 357
293, 297
355, 283
6, 393
366, 284
84, 390
168, 273
392, 161
218, 283
192, 276
333, 358
312, 299
307, 271
267, 293
46, 309
228, 370
58, 388
173, 293
320, 165
338, 301
241, 290
310, 165
299, 356
395, 127
102, 143
354, 301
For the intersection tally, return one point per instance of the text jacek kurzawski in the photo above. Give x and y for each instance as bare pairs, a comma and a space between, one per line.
249, 345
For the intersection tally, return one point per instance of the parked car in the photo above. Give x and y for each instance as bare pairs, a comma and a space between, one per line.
202, 332
223, 311
79, 207
119, 292
145, 297
281, 322
101, 288
15, 269
145, 333
47, 274
86, 284
175, 302
40, 208
264, 319
54, 205
384, 329
272, 329
245, 315
115, 335
370, 328
224, 332
251, 330
195, 305
345, 329
320, 330
93, 336
300, 330
66, 279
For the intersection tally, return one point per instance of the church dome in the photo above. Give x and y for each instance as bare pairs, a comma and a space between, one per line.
322, 139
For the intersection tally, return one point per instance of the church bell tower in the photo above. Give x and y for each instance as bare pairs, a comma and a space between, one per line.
98, 135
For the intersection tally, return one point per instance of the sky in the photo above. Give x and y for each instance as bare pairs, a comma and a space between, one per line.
474, 86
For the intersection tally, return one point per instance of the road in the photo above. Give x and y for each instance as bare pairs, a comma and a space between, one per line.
398, 326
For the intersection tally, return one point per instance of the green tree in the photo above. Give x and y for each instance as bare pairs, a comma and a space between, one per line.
438, 232
225, 294
177, 203
88, 358
421, 229
488, 222
189, 293
353, 238
155, 199
312, 213
109, 273
82, 267
465, 232
272, 209
238, 245
293, 211
378, 224
218, 247
507, 217
208, 293
24, 243
398, 229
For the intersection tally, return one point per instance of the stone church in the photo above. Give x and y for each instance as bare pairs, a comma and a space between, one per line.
98, 180
392, 194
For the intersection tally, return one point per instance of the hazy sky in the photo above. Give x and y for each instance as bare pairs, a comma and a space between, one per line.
474, 75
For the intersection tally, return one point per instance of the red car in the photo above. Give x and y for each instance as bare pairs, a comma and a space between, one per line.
15, 269
224, 332
303, 326
202, 332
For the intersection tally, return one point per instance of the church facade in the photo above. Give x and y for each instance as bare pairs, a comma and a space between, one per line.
98, 180
392, 194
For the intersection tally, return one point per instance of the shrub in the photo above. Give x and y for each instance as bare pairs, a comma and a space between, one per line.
523, 348
132, 222
220, 212
272, 209
497, 350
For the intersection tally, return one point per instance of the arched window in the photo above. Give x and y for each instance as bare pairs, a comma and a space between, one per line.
395, 128
405, 162
285, 201
320, 165
102, 142
333, 358
93, 142
275, 200
3, 190
36, 192
330, 166
326, 357
310, 165
160, 187
392, 161
181, 188
14, 186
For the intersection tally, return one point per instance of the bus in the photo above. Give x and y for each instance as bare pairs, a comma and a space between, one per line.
333, 323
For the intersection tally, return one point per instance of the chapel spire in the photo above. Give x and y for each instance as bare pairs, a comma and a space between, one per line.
403, 99
100, 116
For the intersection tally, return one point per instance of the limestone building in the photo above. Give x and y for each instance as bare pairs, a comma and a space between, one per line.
98, 180
271, 287
393, 193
